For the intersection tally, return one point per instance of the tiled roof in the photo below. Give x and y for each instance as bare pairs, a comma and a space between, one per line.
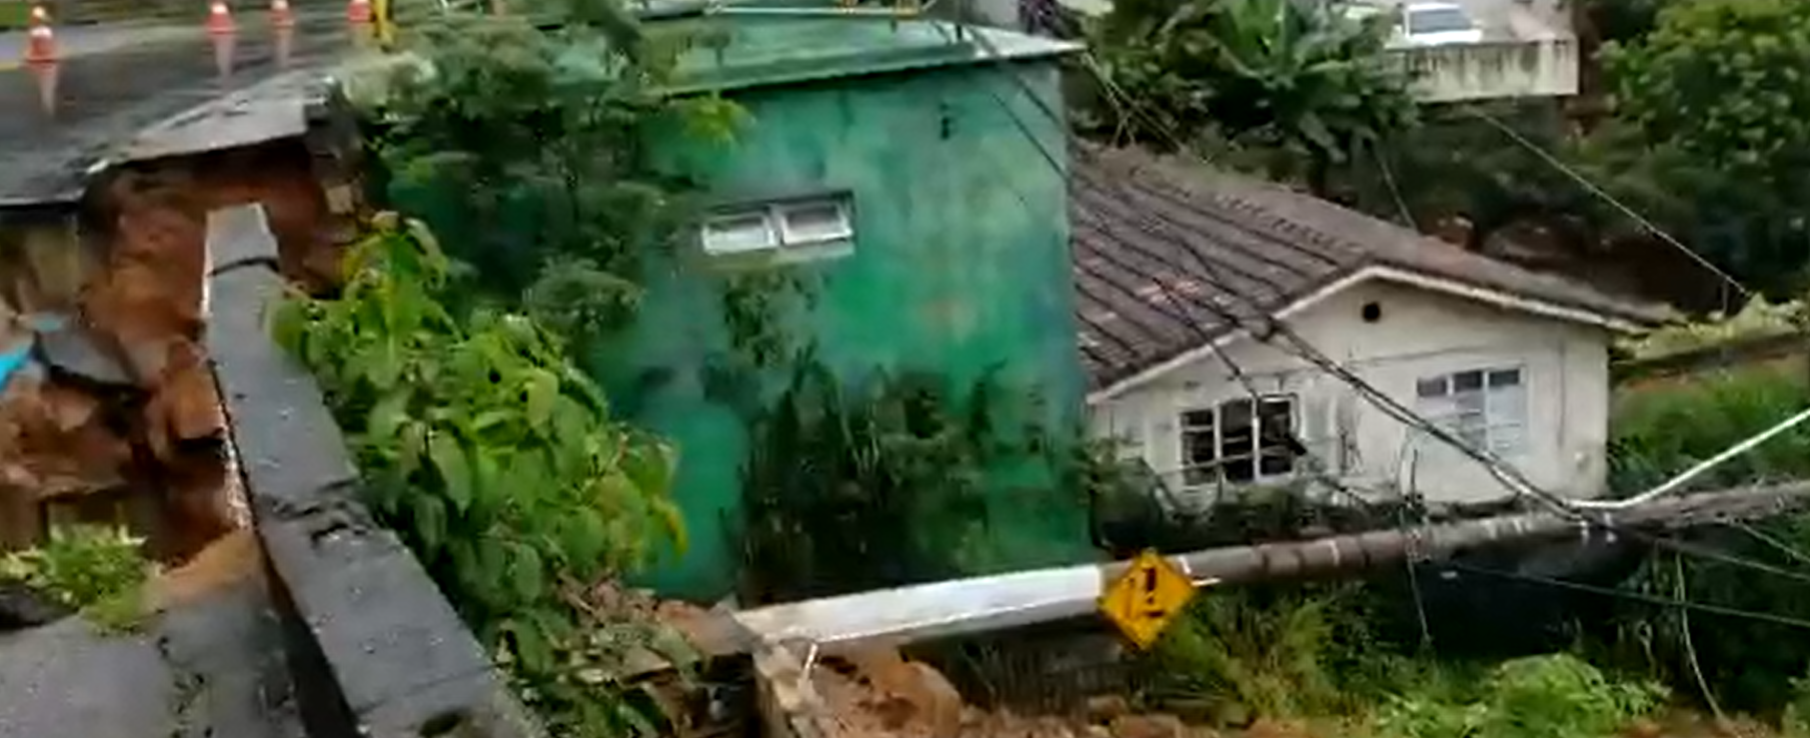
1156, 241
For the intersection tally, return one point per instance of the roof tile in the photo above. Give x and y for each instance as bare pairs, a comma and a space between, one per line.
1170, 250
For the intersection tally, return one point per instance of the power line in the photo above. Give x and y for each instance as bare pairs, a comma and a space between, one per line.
1690, 646
1497, 467
1623, 594
1509, 476
1313, 462
1270, 328
1606, 197
1790, 552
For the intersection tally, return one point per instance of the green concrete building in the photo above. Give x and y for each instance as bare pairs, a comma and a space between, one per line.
905, 171
908, 172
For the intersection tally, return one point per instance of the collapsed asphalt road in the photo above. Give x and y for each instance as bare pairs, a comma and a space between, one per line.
103, 91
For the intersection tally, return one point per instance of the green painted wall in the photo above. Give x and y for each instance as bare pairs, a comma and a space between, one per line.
960, 265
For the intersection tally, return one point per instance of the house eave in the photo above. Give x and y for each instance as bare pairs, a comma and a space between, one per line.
1506, 300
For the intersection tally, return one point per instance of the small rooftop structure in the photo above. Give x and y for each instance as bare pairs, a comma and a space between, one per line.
745, 46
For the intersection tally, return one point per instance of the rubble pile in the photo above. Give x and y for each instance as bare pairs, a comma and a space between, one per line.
105, 388
878, 693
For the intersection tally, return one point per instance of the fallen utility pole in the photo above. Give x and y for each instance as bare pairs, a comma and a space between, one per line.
981, 604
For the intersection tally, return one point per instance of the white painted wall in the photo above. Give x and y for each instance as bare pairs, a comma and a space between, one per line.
1565, 370
1545, 67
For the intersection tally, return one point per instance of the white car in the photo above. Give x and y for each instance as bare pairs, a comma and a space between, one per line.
1437, 23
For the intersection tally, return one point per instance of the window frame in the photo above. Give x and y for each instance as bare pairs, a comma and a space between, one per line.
788, 238
1499, 430
774, 216
765, 218
1214, 470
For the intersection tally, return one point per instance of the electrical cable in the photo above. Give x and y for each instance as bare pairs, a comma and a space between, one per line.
1599, 192
1702, 467
1690, 647
1773, 542
1624, 594
1315, 465
1512, 477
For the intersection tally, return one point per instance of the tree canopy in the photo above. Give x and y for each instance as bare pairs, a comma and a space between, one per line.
1278, 73
1716, 101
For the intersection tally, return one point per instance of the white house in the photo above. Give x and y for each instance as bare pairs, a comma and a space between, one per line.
1508, 359
1456, 50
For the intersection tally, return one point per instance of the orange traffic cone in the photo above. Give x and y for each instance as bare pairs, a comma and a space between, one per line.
280, 17
45, 74
224, 45
219, 18
359, 11
41, 42
285, 41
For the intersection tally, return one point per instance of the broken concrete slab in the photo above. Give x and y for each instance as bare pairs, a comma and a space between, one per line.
74, 351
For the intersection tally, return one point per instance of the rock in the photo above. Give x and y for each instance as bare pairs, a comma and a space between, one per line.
1148, 726
1643, 728
21, 607
76, 352
938, 700
230, 559
907, 694
1105, 707
1195, 710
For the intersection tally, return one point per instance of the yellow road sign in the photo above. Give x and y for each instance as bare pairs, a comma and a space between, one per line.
1146, 598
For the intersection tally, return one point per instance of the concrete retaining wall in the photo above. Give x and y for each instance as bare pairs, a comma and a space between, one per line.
373, 646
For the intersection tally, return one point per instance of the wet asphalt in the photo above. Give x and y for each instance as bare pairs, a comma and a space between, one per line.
111, 82
213, 668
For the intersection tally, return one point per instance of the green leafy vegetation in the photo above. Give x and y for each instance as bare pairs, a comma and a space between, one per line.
1658, 431
1308, 655
1299, 80
888, 484
1718, 94
1558, 695
1261, 654
497, 462
1661, 431
98, 570
528, 138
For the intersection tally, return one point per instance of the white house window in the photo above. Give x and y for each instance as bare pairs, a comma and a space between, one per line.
778, 226
1487, 408
1239, 441
815, 221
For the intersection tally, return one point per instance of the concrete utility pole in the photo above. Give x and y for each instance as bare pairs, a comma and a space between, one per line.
982, 604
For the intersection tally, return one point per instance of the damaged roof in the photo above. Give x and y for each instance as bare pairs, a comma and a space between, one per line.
1156, 241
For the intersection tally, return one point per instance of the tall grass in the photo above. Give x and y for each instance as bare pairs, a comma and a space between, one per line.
1308, 655
1658, 432
1664, 430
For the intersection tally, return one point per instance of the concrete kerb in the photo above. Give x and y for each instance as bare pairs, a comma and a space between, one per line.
373, 646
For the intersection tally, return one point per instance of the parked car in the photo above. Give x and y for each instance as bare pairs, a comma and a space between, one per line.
1438, 23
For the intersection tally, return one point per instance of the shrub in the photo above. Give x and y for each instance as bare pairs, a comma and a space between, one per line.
1534, 697
496, 460
1256, 653
97, 569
